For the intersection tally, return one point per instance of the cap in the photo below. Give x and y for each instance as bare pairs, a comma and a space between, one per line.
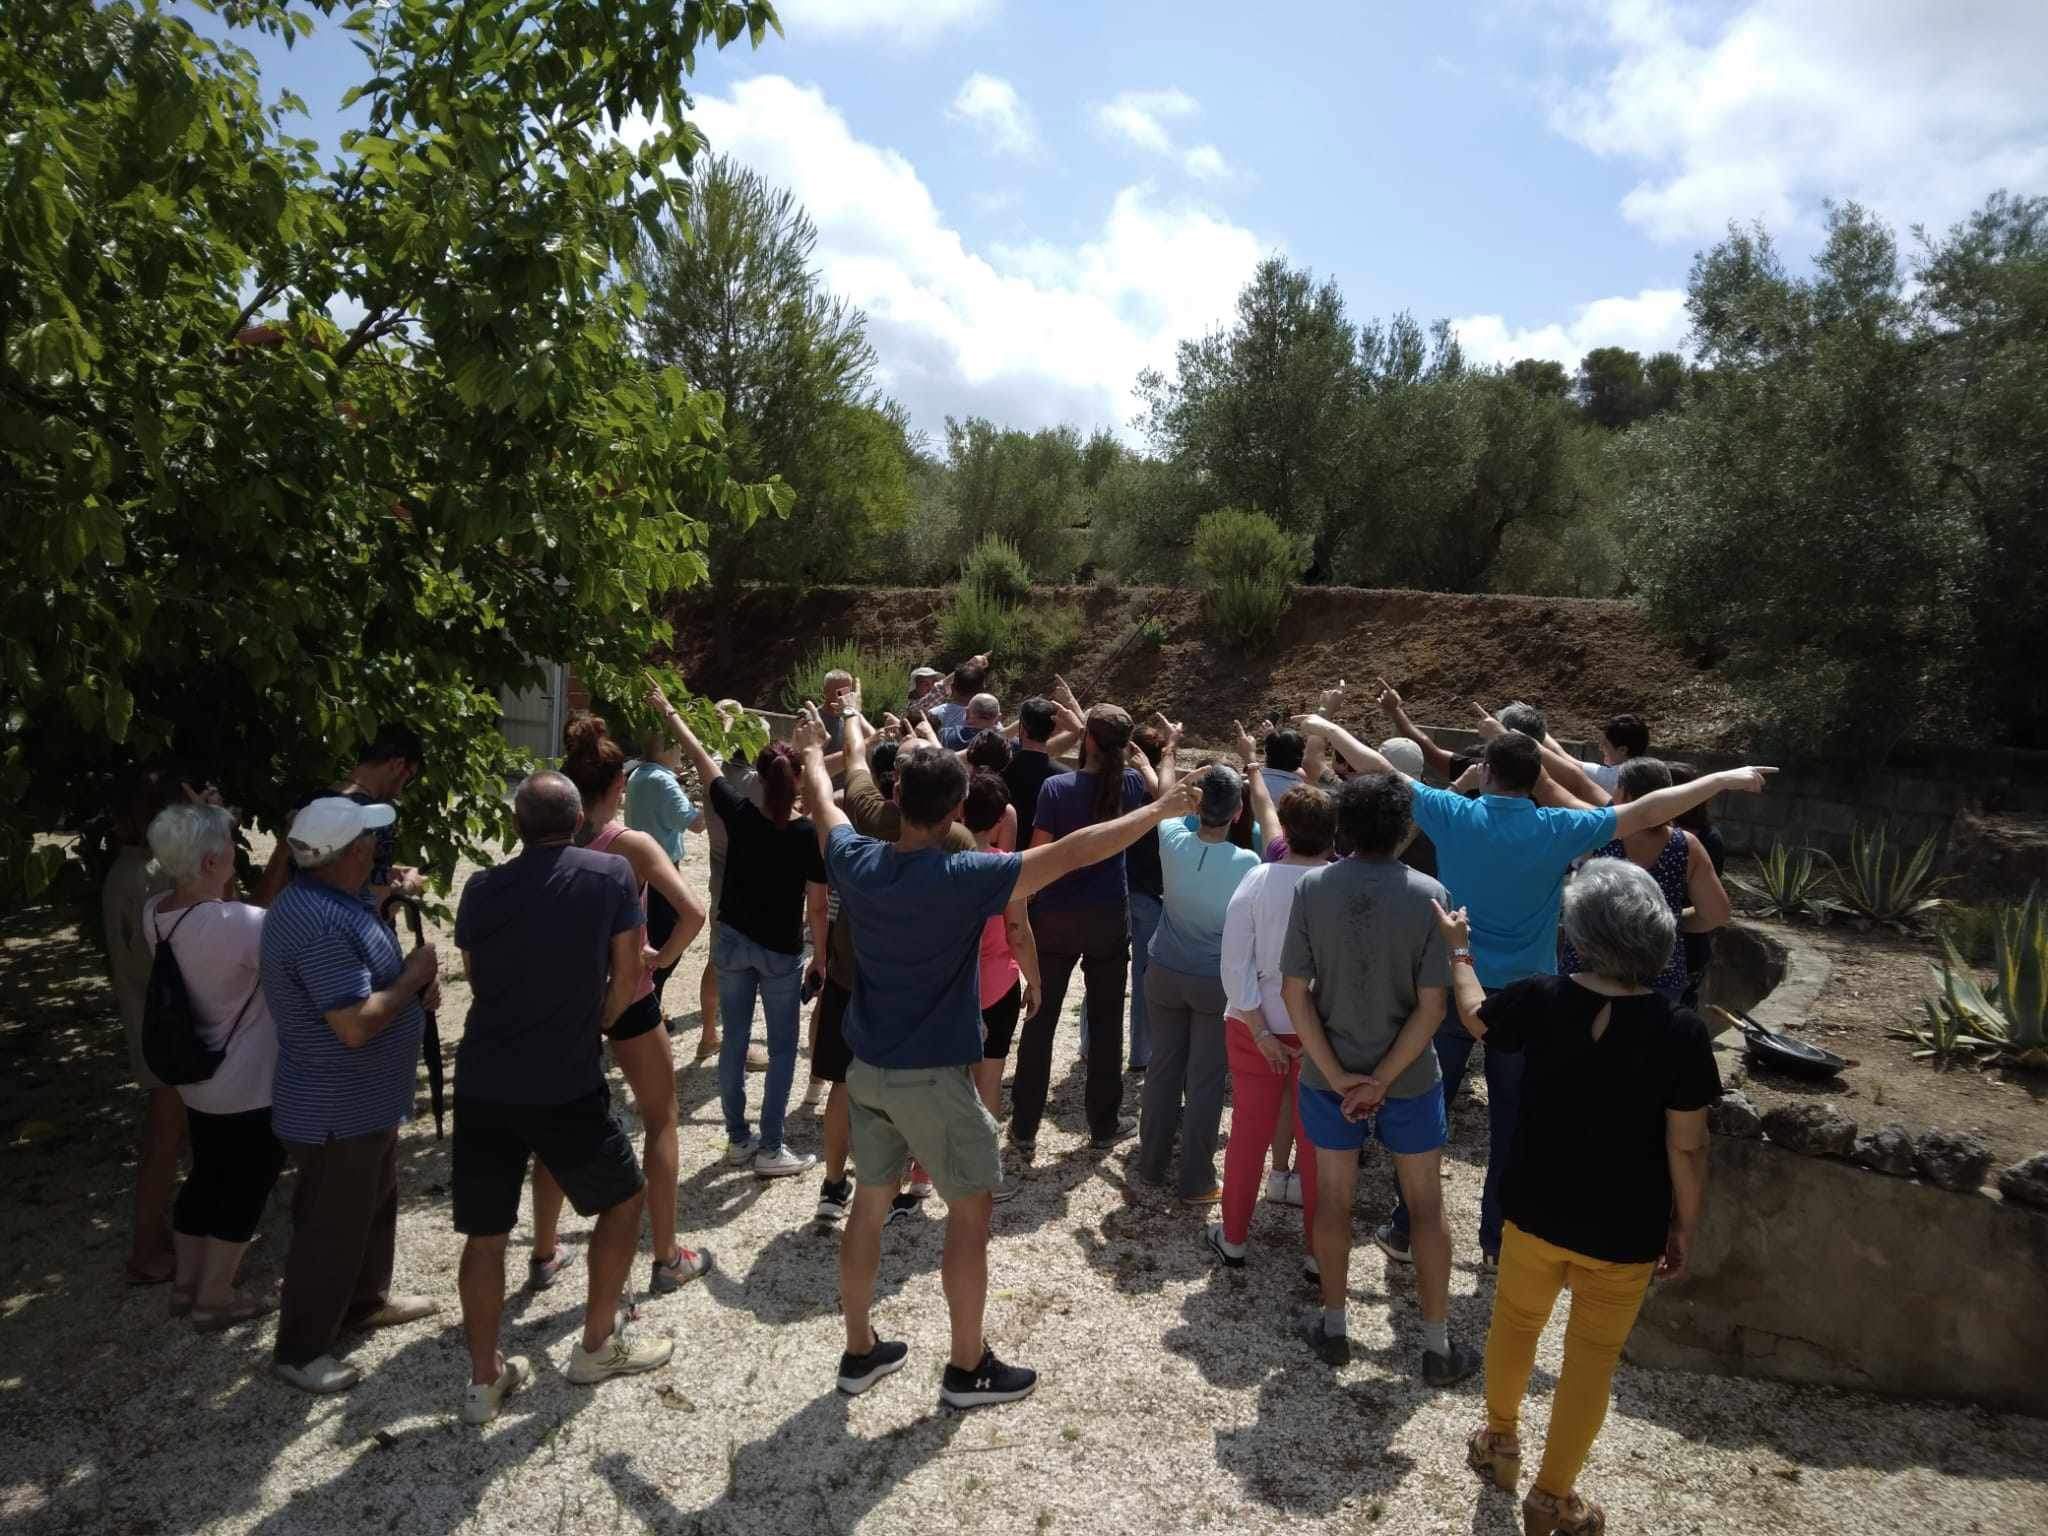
1222, 793
1404, 754
918, 672
331, 823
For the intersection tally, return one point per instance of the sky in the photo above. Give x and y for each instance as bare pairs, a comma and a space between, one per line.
1033, 200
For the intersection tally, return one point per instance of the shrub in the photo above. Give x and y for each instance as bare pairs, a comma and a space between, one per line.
1151, 634
2010, 1017
1245, 566
1043, 634
884, 675
996, 568
1885, 884
975, 622
1789, 882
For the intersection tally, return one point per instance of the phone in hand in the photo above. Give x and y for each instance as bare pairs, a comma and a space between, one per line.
814, 983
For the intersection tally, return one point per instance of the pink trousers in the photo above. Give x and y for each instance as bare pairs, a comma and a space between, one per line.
1256, 1094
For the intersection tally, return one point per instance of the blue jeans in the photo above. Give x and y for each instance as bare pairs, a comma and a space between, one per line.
1145, 912
1503, 1113
744, 969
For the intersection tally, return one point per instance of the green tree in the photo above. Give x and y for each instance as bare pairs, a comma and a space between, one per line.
1542, 376
1610, 387
735, 302
241, 531
1031, 488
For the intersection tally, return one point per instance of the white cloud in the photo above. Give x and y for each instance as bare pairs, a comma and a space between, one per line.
911, 22
1139, 118
1205, 162
1028, 335
1918, 109
992, 105
1653, 321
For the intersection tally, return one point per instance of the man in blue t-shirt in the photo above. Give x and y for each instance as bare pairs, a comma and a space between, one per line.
914, 1028
1504, 858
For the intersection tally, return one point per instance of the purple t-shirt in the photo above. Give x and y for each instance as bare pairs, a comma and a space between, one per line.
1066, 803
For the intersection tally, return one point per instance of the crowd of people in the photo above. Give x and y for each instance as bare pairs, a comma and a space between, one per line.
1303, 927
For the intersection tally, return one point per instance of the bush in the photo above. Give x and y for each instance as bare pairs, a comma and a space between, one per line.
975, 622
996, 568
1151, 634
1043, 635
1887, 884
1245, 567
884, 675
1789, 882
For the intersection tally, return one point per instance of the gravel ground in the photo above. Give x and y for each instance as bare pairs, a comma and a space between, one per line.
1173, 1397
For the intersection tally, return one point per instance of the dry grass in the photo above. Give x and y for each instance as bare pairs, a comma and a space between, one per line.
1174, 1396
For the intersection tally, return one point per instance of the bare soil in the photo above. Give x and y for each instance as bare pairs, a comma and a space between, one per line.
1580, 660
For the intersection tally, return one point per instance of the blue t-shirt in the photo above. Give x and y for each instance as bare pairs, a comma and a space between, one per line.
323, 951
1504, 858
1199, 878
1066, 803
656, 805
917, 962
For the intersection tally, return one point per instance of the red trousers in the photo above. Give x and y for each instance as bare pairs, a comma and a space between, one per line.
1256, 1094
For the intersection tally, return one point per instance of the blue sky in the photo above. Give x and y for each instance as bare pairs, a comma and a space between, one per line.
1032, 200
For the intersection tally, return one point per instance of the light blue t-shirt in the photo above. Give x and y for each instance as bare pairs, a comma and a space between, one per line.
656, 805
1503, 858
917, 960
1199, 879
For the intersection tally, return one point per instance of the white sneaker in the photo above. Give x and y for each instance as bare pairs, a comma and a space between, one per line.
780, 1163
1283, 1188
480, 1404
324, 1374
740, 1153
815, 1094
620, 1355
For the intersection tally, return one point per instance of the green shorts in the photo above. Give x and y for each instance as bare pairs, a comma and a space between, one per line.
930, 1113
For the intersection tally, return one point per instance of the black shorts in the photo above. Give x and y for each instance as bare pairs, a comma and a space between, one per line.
638, 1019
830, 1055
581, 1142
999, 1022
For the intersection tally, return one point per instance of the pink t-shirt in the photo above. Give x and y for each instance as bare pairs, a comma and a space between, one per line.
219, 946
999, 970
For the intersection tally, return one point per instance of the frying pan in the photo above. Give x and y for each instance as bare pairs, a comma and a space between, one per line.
1782, 1051
430, 1041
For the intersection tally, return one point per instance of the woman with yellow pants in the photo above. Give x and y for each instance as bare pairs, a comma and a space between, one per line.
1607, 1175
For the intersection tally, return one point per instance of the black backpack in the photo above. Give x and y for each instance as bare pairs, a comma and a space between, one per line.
172, 1046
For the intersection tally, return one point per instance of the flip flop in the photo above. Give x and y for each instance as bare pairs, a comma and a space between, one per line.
243, 1309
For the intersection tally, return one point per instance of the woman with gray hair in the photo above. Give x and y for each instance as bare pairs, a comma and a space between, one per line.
217, 943
1608, 1173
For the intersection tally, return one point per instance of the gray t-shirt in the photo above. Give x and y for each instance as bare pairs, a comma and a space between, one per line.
1363, 934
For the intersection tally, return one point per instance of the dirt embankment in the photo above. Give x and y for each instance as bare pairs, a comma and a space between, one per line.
1580, 660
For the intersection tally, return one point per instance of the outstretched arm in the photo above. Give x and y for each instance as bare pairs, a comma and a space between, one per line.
1663, 805
705, 764
1046, 862
1434, 757
1264, 811
1356, 752
817, 783
1169, 763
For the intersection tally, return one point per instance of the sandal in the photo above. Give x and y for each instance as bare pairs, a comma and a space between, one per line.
243, 1309
1545, 1514
1498, 1457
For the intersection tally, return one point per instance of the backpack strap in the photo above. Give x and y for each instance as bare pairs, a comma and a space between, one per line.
164, 939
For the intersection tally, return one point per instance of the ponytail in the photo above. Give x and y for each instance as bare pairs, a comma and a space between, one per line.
777, 767
1109, 728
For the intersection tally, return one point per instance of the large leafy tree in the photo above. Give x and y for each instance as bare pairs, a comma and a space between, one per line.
1035, 489
290, 448
735, 301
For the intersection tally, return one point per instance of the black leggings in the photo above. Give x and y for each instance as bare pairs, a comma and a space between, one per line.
235, 1163
999, 1022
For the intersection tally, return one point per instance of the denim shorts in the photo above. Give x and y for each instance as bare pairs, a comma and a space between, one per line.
1403, 1126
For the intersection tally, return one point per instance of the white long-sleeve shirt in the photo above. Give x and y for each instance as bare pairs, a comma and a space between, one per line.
1254, 929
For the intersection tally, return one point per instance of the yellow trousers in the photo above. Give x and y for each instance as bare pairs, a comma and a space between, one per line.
1605, 1300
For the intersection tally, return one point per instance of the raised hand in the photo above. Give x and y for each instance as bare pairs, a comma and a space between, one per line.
1183, 798
1309, 724
1331, 700
1246, 747
1487, 725
810, 729
1387, 699
1456, 926
658, 701
1170, 728
1750, 781
849, 700
1062, 694
1472, 780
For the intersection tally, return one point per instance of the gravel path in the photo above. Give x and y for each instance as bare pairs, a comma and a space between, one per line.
1174, 1396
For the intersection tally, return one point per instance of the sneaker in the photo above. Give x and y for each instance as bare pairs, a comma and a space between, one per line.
815, 1094
1212, 1196
678, 1272
920, 1185
1330, 1349
780, 1163
325, 1374
1393, 1244
398, 1311
480, 1404
1004, 1192
989, 1382
541, 1273
859, 1372
1126, 1128
619, 1355
757, 1058
1447, 1369
739, 1153
902, 1208
1213, 1236
835, 1200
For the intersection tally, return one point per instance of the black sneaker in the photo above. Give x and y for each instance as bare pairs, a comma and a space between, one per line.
1393, 1243
902, 1208
1212, 1236
989, 1382
834, 1200
859, 1372
1449, 1369
1126, 1128
1330, 1349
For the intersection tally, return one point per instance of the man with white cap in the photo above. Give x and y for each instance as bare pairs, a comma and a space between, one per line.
348, 1010
921, 681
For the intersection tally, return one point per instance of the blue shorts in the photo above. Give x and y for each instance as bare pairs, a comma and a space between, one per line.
1403, 1126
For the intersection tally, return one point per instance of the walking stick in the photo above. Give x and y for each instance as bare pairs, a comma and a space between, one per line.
430, 1040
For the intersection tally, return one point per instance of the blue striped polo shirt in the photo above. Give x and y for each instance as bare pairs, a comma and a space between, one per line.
323, 951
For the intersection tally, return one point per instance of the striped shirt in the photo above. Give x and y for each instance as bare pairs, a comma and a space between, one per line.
322, 951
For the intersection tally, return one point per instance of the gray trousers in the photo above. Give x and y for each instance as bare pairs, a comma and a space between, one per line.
1188, 1063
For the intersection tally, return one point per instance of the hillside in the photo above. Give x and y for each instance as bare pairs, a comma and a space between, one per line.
1581, 660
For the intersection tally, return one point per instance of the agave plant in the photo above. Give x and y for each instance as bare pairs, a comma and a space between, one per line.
1886, 884
1789, 882
2009, 1018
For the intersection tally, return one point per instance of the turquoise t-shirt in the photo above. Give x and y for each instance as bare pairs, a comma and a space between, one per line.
656, 805
1504, 858
1199, 878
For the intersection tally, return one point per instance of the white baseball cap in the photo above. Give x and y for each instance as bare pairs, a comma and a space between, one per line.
1405, 754
328, 825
